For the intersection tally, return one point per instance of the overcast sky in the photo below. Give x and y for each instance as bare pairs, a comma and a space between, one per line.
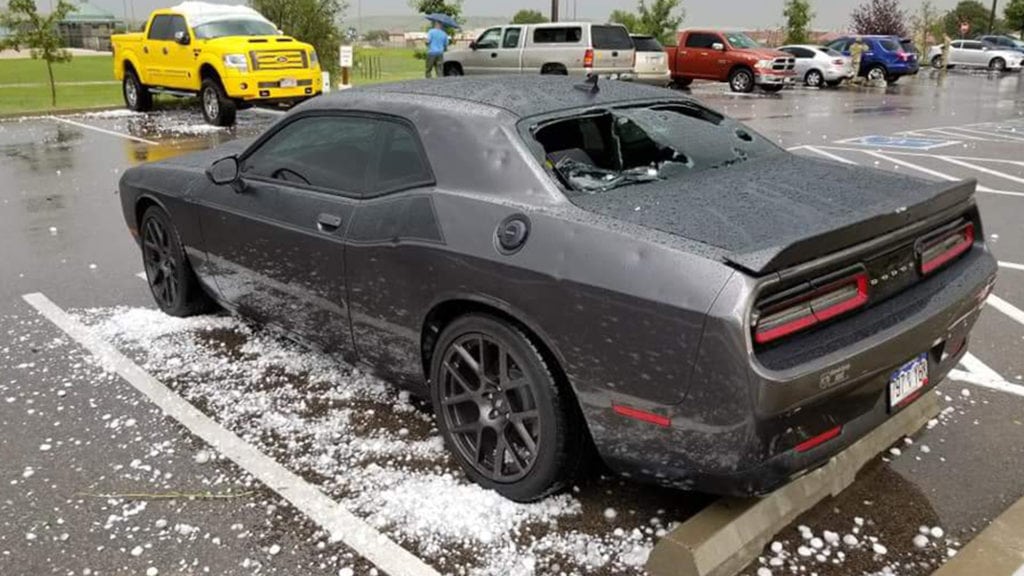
831, 14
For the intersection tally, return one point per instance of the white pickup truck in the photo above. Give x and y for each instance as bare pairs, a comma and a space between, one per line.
565, 48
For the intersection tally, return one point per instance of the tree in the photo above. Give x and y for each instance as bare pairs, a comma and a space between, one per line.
798, 21
312, 21
974, 13
377, 36
880, 17
661, 19
529, 17
452, 8
926, 25
1014, 12
29, 29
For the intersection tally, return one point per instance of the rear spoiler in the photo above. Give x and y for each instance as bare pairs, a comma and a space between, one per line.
941, 197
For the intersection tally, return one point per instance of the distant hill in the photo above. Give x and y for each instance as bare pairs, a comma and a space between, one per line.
416, 23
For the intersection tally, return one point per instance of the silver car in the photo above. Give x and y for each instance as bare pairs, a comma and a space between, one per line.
978, 54
651, 61
820, 66
562, 48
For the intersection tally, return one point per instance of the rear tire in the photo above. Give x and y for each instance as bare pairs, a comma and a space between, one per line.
553, 70
171, 280
876, 73
814, 78
452, 69
511, 425
741, 80
218, 109
137, 96
681, 83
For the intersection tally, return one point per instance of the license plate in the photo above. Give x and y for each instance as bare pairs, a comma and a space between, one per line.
289, 83
908, 380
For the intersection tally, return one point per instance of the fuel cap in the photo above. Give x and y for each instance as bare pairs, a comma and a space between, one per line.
512, 233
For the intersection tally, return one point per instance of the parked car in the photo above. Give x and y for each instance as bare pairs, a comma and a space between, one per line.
819, 66
731, 57
563, 48
1003, 42
651, 61
884, 59
559, 266
230, 56
977, 54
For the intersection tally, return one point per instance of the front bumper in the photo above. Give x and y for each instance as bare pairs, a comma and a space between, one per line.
267, 85
738, 430
770, 79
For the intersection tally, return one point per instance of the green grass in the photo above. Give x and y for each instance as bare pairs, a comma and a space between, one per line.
81, 69
396, 64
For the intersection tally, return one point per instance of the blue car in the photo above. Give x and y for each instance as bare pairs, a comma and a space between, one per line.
886, 57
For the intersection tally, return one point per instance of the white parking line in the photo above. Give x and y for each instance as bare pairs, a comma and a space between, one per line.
922, 155
922, 169
829, 155
933, 131
1003, 175
1006, 308
994, 136
1012, 266
342, 525
979, 374
104, 131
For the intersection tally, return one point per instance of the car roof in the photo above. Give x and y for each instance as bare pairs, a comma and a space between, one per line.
520, 95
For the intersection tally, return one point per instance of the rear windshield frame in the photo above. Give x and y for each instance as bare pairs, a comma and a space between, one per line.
647, 44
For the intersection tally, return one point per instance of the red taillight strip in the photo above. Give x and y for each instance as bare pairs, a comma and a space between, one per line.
819, 439
588, 58
929, 266
846, 305
815, 316
643, 416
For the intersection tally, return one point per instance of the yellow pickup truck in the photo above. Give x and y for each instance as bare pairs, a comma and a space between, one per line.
231, 56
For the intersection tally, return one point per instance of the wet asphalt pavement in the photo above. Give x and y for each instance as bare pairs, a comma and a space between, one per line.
95, 480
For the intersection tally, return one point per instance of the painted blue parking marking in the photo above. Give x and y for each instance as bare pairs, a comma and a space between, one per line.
899, 142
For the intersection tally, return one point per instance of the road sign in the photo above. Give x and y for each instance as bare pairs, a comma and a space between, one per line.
346, 56
899, 142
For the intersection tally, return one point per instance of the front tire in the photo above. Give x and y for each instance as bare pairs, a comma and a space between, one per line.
218, 109
510, 424
814, 79
137, 96
741, 80
171, 280
997, 65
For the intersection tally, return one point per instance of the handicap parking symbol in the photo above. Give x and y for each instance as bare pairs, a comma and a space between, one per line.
902, 142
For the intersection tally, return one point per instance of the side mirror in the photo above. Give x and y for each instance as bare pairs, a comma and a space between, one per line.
224, 171
718, 46
181, 37
472, 45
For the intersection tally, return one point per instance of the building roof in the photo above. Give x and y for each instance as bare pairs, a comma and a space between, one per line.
85, 12
521, 95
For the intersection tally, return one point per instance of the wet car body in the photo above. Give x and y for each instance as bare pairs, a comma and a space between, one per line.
644, 298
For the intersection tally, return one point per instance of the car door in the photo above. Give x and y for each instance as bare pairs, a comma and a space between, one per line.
700, 56
509, 57
275, 239
976, 54
485, 50
393, 231
154, 50
179, 57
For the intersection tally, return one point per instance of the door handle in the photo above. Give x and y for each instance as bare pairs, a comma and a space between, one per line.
145, 49
615, 54
328, 222
494, 54
165, 51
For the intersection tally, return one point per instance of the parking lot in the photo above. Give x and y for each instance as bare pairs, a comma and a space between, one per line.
214, 446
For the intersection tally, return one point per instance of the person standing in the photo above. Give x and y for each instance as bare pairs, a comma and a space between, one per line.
857, 53
946, 41
437, 43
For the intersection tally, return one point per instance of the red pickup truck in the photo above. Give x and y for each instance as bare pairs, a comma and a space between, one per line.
731, 57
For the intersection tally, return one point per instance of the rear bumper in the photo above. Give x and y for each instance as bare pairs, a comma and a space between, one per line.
738, 430
833, 74
653, 78
267, 85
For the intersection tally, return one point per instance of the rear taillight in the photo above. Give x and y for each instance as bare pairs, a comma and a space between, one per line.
903, 56
588, 58
794, 312
838, 62
940, 249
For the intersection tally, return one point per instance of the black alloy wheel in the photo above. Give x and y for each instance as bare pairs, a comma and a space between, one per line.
509, 423
170, 276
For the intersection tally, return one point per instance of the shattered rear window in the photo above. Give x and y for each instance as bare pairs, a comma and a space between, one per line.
618, 147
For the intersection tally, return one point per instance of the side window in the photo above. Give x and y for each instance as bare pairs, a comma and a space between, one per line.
402, 162
332, 152
972, 45
557, 35
840, 45
957, 45
511, 38
177, 24
804, 53
702, 40
160, 28
489, 39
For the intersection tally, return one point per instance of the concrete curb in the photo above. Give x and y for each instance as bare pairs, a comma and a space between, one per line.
726, 536
997, 551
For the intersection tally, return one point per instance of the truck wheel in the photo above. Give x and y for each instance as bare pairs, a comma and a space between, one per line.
772, 88
681, 83
741, 80
554, 70
452, 69
136, 95
218, 109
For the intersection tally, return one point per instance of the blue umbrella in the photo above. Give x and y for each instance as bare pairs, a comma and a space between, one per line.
445, 20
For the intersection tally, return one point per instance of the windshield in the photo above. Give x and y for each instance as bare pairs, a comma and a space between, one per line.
606, 149
647, 44
890, 45
234, 27
741, 40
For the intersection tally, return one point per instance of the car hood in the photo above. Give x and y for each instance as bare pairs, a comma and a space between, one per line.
256, 43
777, 211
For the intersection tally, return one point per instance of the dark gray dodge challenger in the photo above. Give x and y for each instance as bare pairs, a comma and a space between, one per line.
560, 266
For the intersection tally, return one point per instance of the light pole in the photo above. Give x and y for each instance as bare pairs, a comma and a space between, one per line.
554, 10
992, 16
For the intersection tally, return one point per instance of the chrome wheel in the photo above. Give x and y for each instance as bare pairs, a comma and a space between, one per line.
741, 82
488, 405
877, 73
131, 92
161, 263
814, 79
211, 103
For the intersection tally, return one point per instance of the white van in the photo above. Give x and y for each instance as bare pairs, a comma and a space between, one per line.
564, 48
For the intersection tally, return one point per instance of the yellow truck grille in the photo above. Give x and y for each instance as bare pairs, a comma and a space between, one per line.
278, 59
